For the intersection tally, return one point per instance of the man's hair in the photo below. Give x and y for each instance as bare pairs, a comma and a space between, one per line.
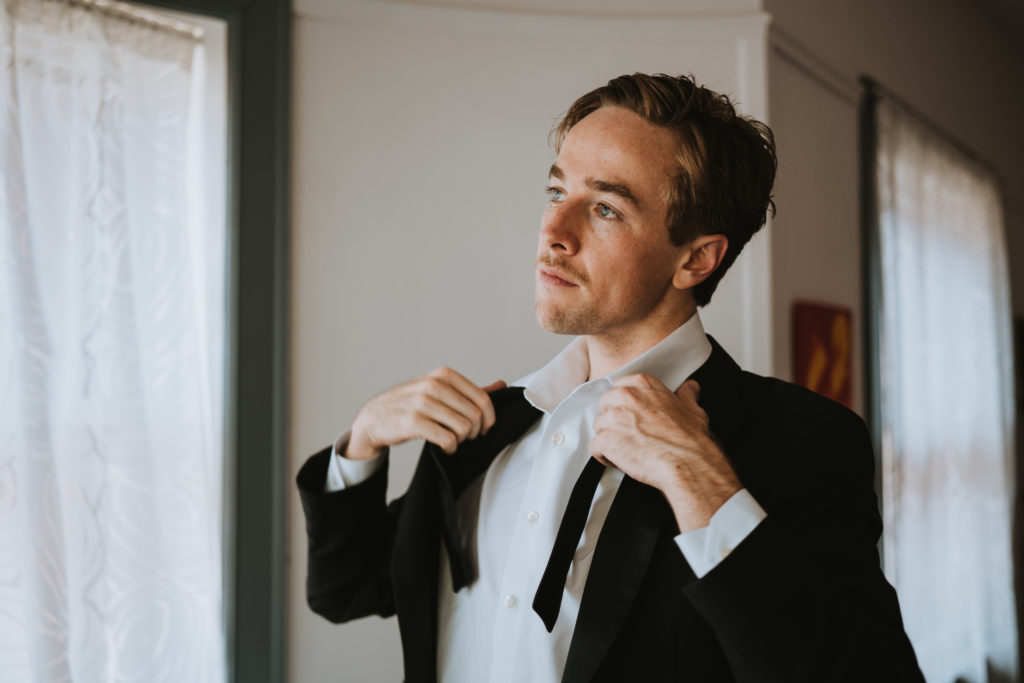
726, 161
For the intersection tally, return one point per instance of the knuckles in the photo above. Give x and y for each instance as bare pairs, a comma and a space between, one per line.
464, 428
431, 384
641, 380
441, 372
419, 401
627, 395
618, 396
648, 381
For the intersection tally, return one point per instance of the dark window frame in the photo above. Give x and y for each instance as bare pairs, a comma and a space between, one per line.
871, 278
255, 531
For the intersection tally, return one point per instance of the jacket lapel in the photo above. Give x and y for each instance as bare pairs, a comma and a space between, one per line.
514, 415
719, 395
428, 515
414, 573
623, 552
637, 517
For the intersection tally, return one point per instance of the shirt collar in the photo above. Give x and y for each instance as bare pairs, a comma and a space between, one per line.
671, 361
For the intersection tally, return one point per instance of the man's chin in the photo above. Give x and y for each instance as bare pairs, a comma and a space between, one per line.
561, 322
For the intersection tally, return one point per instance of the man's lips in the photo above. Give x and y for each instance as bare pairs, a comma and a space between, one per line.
553, 277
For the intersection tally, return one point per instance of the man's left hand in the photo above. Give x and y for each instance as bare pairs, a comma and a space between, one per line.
663, 439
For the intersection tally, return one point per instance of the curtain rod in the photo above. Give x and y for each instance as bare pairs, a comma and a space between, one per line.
873, 87
136, 14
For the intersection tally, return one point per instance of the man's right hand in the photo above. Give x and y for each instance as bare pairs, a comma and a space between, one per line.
442, 407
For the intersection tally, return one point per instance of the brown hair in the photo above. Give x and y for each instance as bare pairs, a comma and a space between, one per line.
726, 161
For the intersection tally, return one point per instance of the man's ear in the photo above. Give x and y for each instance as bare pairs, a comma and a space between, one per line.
700, 258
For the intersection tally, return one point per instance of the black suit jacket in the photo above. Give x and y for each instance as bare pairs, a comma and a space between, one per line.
802, 598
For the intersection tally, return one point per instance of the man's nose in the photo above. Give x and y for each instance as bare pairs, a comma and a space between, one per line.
559, 229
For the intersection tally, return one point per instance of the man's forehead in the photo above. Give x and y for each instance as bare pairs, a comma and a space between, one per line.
619, 146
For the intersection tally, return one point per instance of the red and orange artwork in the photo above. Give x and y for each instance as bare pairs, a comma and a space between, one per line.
822, 350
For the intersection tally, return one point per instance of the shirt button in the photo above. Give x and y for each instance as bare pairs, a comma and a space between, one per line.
557, 438
510, 601
532, 516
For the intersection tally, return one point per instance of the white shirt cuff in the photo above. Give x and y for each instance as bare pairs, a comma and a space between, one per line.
343, 472
705, 547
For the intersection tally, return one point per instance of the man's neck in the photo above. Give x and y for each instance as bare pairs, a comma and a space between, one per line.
609, 352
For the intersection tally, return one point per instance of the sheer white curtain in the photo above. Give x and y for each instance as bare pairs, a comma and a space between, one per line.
947, 401
111, 346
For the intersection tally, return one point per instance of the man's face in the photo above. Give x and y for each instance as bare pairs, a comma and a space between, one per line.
605, 262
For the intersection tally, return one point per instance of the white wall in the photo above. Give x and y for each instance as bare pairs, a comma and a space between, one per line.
419, 163
816, 231
947, 59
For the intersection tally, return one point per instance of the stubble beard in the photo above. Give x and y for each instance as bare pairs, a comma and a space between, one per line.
585, 317
562, 317
565, 319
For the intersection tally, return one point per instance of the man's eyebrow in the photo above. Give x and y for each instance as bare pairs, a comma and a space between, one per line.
619, 189
614, 188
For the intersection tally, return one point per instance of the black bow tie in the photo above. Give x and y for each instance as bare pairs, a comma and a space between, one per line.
514, 416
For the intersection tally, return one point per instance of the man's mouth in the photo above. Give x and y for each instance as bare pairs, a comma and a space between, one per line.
554, 277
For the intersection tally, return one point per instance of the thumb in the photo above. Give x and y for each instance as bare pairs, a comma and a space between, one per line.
690, 389
495, 385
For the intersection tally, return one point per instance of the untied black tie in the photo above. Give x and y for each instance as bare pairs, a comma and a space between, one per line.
548, 600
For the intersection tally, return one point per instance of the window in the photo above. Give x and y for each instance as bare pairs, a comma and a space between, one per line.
944, 398
168, 566
113, 352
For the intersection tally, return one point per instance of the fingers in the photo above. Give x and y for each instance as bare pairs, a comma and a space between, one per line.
689, 390
434, 409
495, 385
630, 388
597, 448
607, 419
640, 381
478, 397
442, 407
436, 433
446, 403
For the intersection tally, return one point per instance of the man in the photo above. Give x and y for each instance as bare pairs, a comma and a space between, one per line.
726, 527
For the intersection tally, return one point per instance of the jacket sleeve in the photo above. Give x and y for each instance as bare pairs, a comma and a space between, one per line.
350, 534
803, 598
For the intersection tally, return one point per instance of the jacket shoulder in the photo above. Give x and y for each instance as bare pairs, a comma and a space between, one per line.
783, 403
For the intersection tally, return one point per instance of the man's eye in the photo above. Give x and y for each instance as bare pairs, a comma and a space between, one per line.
555, 193
606, 211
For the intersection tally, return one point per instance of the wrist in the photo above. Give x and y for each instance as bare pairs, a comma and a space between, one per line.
358, 448
696, 494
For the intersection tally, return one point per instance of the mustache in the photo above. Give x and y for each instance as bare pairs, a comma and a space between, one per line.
562, 267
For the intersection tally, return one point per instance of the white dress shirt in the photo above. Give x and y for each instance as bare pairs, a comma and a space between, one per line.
488, 630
